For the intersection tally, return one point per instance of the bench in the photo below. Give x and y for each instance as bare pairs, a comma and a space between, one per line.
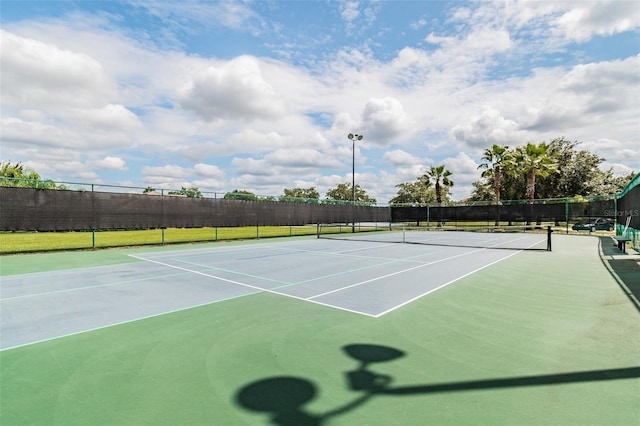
622, 243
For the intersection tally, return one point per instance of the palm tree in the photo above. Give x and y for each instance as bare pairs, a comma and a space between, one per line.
497, 160
440, 177
535, 160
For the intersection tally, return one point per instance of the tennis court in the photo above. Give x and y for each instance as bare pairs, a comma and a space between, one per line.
305, 331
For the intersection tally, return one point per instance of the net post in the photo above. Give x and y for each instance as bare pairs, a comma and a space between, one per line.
318, 230
549, 231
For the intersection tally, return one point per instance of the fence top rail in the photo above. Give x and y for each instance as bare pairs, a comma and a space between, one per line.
6, 182
634, 182
85, 186
564, 200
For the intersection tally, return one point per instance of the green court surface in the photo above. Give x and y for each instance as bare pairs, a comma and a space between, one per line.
538, 338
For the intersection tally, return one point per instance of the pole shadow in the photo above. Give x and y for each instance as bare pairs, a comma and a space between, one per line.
283, 398
624, 269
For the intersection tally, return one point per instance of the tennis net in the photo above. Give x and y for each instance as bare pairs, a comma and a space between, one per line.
529, 237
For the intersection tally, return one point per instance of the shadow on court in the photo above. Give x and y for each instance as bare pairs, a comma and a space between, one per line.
283, 398
626, 271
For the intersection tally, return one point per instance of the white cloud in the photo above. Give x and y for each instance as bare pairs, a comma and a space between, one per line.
301, 158
462, 165
235, 15
400, 158
110, 163
87, 176
612, 150
166, 172
208, 185
34, 72
208, 171
110, 117
605, 85
384, 120
421, 22
299, 163
77, 88
464, 172
251, 166
18, 131
236, 90
349, 11
583, 21
485, 130
477, 43
19, 135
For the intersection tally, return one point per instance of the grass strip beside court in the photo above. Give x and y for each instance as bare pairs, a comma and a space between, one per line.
24, 242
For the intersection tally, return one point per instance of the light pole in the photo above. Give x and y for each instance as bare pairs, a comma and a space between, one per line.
353, 138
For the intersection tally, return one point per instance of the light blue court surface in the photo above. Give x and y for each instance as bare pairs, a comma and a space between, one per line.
363, 278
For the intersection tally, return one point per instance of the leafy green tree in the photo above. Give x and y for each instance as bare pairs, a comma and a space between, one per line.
535, 160
606, 183
187, 192
482, 190
344, 192
240, 195
17, 175
418, 192
574, 173
512, 187
498, 160
578, 173
149, 189
16, 171
301, 194
439, 176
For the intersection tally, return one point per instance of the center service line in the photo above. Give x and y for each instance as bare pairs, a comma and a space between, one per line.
392, 274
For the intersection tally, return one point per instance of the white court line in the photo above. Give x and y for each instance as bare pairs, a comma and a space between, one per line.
102, 327
239, 246
311, 299
540, 240
345, 253
441, 286
278, 247
392, 274
89, 287
249, 285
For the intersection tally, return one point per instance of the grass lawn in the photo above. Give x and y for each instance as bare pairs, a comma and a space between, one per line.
25, 242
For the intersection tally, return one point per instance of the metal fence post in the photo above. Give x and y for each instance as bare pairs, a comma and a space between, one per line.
163, 223
566, 214
93, 219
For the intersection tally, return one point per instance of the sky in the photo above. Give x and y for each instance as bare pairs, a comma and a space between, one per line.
260, 96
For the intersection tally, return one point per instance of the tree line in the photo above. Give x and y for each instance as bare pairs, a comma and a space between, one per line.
557, 169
